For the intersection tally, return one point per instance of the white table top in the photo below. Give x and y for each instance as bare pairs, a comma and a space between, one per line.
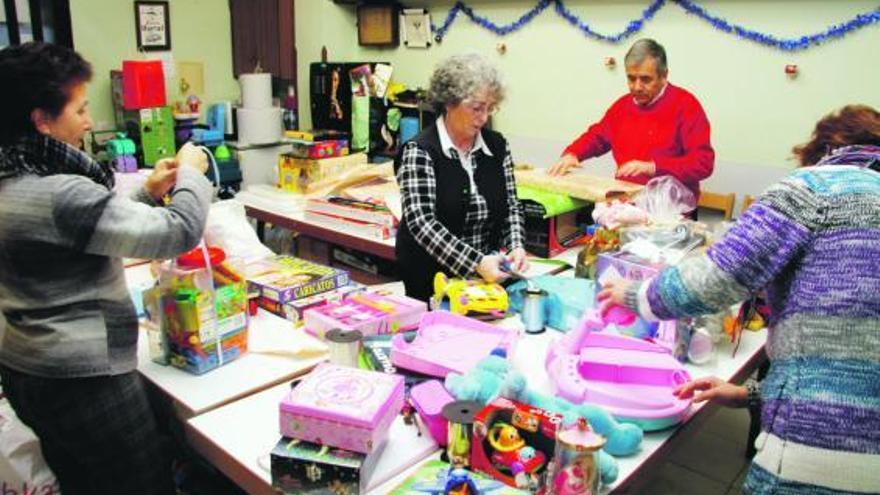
277, 352
238, 450
238, 437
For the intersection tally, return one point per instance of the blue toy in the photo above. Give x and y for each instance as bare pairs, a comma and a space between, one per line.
454, 481
495, 377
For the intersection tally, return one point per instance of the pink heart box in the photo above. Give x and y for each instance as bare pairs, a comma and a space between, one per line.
342, 407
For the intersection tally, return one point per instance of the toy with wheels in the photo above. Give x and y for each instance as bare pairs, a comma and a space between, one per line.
469, 297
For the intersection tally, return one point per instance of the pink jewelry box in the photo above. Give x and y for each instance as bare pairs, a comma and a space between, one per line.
342, 407
429, 398
369, 312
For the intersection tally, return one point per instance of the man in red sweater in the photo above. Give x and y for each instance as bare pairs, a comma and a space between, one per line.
656, 129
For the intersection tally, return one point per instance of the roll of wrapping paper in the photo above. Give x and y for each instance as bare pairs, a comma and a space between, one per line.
345, 346
460, 415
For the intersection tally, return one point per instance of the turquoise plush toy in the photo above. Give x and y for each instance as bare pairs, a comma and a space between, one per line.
495, 377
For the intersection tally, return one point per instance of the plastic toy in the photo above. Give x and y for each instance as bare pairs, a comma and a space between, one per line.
121, 151
457, 482
470, 296
447, 343
495, 377
511, 450
633, 379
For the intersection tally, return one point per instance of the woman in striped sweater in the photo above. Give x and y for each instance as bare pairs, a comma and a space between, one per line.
813, 241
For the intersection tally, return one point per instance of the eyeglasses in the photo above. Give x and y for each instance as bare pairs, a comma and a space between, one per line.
480, 107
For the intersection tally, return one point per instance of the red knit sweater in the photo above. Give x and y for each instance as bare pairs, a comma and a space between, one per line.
673, 132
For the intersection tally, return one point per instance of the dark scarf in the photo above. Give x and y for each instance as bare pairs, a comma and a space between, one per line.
37, 154
860, 155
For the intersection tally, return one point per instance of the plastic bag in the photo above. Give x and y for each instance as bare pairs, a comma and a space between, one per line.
228, 228
22, 467
665, 199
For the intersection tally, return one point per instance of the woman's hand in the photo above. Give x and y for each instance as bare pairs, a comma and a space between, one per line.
490, 268
715, 389
613, 293
517, 260
162, 179
190, 155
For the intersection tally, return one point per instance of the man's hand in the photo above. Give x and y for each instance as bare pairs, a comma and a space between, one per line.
716, 389
162, 179
637, 167
564, 165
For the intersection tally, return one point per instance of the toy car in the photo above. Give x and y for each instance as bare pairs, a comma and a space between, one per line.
467, 297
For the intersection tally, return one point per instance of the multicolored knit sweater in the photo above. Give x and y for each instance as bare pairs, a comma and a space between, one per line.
813, 241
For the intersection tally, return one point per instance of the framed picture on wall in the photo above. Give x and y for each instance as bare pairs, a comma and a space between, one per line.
152, 25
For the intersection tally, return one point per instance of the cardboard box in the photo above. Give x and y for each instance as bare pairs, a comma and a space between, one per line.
547, 237
285, 278
306, 468
343, 407
296, 174
369, 312
619, 264
514, 426
317, 150
294, 310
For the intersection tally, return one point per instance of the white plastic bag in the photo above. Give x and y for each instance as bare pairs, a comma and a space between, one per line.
22, 467
665, 199
229, 229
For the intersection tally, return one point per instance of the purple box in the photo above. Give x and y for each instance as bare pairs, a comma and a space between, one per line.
343, 407
370, 313
624, 265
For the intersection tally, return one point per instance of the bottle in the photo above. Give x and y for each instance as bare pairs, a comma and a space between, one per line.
290, 119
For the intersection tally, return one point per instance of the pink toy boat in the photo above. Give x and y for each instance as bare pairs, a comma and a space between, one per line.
446, 342
632, 379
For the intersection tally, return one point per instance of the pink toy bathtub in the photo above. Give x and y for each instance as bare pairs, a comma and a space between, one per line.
632, 379
342, 407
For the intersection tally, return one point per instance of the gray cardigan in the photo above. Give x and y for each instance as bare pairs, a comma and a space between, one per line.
62, 283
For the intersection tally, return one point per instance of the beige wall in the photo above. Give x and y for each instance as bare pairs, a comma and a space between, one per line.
557, 83
103, 32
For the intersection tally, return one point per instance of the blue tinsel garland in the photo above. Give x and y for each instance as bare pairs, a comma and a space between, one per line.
635, 25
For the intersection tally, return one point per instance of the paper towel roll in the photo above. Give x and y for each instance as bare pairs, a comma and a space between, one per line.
256, 90
259, 126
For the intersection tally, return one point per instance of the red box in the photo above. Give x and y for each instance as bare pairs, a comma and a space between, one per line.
526, 436
143, 84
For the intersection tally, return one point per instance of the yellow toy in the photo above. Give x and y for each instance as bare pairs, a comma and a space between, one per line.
470, 296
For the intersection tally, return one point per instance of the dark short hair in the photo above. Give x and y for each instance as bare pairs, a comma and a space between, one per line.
36, 76
852, 124
644, 48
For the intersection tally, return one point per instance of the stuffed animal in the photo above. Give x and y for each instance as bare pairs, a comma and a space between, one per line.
495, 377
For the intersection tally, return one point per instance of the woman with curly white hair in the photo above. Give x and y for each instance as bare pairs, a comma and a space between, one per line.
460, 212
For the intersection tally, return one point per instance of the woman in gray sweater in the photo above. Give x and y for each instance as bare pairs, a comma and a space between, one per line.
68, 351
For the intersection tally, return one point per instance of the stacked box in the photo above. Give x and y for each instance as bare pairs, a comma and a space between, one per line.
369, 312
343, 407
317, 150
285, 278
306, 468
295, 310
296, 174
